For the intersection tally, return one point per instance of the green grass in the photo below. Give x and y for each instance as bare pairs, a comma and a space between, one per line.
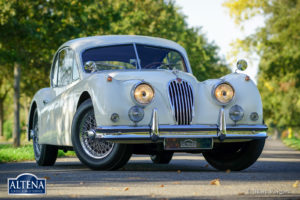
292, 142
10, 154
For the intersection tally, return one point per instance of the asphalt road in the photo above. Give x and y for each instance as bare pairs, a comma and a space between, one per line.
188, 176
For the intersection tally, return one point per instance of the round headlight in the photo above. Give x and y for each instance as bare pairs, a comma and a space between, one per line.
224, 93
143, 93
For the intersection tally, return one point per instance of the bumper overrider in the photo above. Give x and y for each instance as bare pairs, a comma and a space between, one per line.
157, 133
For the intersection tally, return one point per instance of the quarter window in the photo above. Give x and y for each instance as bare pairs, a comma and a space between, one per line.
65, 65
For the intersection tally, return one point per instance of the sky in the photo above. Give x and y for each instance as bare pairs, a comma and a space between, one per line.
219, 27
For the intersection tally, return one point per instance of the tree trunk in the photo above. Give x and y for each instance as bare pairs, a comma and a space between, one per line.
1, 117
16, 130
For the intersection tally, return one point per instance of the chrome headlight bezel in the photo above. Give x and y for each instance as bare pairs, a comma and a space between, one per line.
133, 93
214, 96
236, 113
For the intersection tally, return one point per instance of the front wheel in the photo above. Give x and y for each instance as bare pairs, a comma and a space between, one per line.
45, 155
234, 156
94, 153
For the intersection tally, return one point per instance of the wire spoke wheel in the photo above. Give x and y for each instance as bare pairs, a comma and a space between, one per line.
94, 147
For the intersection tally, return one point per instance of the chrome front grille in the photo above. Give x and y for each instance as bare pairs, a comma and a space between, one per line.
182, 101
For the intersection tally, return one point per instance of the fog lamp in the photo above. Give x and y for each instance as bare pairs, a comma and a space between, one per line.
115, 117
254, 116
236, 113
136, 113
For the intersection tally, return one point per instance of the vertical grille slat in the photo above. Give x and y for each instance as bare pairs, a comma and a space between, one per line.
182, 101
187, 102
178, 104
191, 101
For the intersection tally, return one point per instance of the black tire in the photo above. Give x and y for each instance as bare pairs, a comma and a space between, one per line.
44, 154
163, 157
89, 150
234, 156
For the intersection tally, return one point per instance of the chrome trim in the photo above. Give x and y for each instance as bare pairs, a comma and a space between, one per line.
133, 138
177, 128
222, 122
191, 94
242, 64
232, 113
214, 96
171, 101
137, 57
133, 89
189, 101
181, 99
154, 134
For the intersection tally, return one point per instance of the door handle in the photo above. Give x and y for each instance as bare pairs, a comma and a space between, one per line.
45, 101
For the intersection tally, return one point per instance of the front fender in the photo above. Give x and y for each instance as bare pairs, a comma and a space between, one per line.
246, 95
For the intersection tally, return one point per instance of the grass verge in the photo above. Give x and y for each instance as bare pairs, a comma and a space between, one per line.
23, 153
292, 142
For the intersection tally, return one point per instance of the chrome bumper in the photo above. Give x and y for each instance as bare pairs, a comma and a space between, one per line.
157, 133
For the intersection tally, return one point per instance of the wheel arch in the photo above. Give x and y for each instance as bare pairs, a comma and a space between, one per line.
84, 96
33, 107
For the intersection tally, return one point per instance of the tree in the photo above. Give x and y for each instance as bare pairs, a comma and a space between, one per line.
31, 31
278, 44
161, 19
5, 86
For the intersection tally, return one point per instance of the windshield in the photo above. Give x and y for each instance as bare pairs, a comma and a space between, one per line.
124, 57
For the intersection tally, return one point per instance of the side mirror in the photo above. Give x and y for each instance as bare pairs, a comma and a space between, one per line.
90, 66
242, 65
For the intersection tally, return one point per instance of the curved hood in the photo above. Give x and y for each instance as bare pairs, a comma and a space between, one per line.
151, 76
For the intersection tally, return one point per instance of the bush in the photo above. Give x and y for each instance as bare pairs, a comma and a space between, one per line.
292, 142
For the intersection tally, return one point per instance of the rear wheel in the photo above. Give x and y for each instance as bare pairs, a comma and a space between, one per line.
235, 156
94, 153
163, 157
45, 155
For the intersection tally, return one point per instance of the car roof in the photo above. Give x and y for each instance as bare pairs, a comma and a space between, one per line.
80, 44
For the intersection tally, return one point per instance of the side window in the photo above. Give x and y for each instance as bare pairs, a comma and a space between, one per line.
75, 70
65, 65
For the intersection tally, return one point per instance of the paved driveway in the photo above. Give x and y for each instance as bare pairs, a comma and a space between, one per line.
188, 176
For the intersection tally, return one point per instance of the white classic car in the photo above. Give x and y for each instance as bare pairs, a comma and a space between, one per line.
114, 96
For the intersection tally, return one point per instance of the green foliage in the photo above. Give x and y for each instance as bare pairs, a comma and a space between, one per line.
7, 129
278, 44
160, 19
292, 142
31, 31
10, 154
67, 154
